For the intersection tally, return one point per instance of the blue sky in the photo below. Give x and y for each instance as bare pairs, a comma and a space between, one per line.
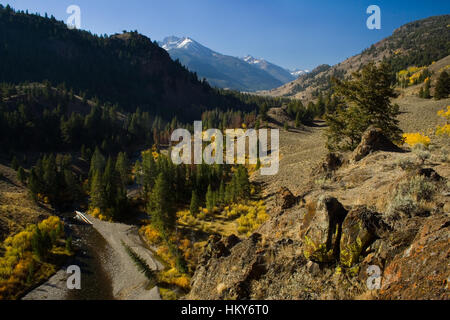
290, 33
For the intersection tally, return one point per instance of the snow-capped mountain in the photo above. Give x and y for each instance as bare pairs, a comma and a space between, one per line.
225, 71
185, 43
275, 71
298, 72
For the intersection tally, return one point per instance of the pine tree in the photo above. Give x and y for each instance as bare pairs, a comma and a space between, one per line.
421, 92
442, 89
243, 183
21, 175
297, 119
97, 193
14, 163
221, 196
210, 199
195, 203
160, 207
50, 178
122, 167
364, 101
109, 183
97, 162
33, 184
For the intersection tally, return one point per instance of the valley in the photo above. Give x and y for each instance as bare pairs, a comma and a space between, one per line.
91, 123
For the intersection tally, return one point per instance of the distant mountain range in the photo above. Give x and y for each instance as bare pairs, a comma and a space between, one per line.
223, 71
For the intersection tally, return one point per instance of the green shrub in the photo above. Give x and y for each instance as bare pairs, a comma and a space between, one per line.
409, 195
422, 155
405, 163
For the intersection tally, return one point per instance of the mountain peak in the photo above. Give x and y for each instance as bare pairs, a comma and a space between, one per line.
299, 72
173, 42
252, 60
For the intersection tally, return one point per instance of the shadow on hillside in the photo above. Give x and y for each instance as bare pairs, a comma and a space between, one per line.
9, 181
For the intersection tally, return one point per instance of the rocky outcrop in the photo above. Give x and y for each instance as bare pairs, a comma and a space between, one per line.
360, 229
224, 276
218, 247
285, 199
344, 245
372, 140
321, 230
422, 270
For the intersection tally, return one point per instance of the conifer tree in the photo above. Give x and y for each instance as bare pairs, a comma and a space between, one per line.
364, 101
14, 163
221, 196
97, 162
442, 89
195, 204
210, 199
97, 193
160, 207
122, 167
21, 175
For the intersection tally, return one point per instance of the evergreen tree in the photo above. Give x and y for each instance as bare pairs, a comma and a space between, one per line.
160, 206
243, 183
14, 163
195, 203
50, 178
421, 92
221, 196
210, 199
97, 192
442, 89
122, 167
21, 175
97, 162
364, 101
33, 184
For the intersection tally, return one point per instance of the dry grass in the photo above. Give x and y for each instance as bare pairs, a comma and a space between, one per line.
17, 209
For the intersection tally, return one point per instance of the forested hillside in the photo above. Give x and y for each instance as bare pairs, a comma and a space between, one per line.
126, 69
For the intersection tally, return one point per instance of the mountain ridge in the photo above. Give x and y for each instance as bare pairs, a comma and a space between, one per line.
125, 69
417, 43
225, 71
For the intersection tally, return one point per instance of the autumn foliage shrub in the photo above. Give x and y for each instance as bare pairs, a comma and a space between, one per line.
413, 139
24, 261
444, 130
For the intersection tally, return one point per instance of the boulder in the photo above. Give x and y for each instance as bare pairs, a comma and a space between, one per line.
285, 199
321, 230
360, 228
373, 140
